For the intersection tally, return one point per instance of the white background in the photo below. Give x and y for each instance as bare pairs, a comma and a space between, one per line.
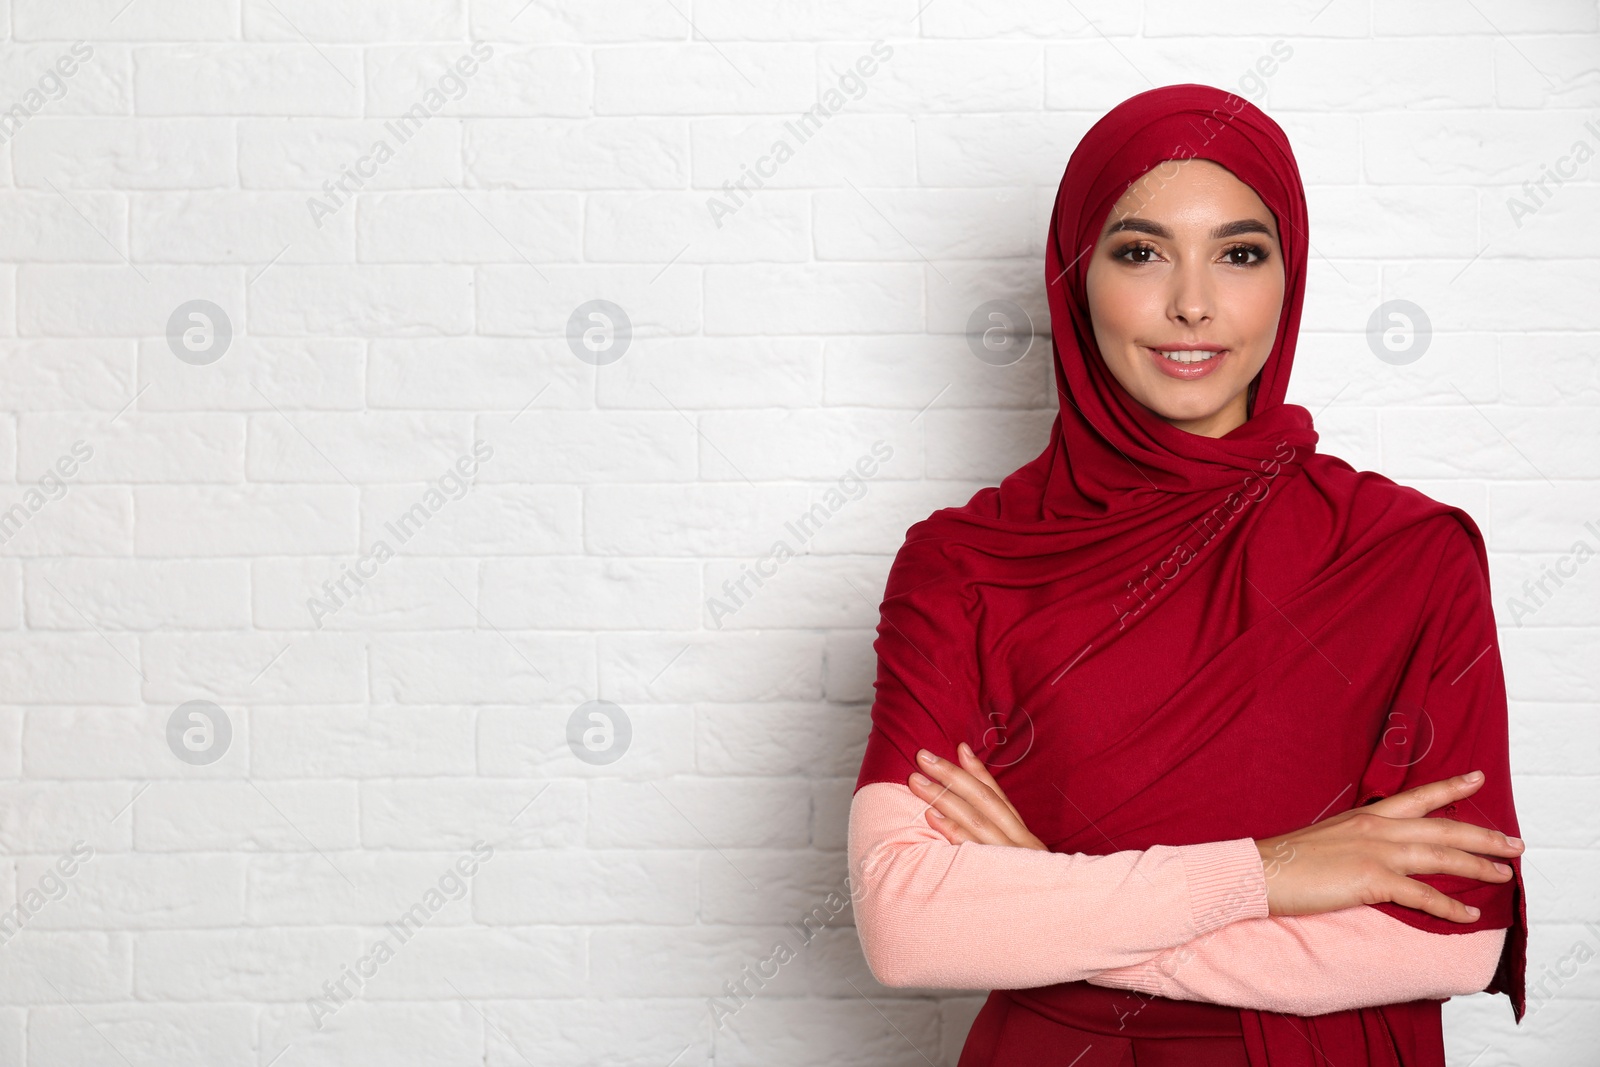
768, 354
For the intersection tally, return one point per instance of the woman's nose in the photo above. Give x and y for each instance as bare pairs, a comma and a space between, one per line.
1191, 300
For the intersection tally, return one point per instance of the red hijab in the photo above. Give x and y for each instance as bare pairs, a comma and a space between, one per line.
1156, 637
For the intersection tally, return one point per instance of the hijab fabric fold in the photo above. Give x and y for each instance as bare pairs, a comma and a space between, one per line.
1157, 637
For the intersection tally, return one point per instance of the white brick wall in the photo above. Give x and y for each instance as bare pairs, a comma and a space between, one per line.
425, 308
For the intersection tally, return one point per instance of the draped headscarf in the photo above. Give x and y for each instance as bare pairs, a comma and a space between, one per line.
1157, 637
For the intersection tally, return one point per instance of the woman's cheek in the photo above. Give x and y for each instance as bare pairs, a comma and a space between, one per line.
1267, 303
1132, 306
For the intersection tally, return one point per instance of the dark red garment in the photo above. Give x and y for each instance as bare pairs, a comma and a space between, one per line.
1089, 1026
1156, 637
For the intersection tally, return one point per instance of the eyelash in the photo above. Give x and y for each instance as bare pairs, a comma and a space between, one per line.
1144, 246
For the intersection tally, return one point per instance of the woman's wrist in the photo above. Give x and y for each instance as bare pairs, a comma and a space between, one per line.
1225, 883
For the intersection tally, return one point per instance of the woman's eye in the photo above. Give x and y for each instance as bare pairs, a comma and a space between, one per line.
1245, 255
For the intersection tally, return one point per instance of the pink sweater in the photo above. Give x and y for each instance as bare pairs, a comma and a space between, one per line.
1188, 922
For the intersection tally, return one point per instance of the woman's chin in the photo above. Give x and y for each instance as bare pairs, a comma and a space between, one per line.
1200, 406
1187, 408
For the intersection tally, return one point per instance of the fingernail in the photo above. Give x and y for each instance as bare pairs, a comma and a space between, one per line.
1473, 776
936, 813
1472, 911
919, 779
1514, 841
965, 749
927, 757
1502, 868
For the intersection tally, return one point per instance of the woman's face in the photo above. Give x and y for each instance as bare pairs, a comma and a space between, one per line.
1188, 265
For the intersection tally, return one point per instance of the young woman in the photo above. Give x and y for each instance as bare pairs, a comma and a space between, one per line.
1175, 729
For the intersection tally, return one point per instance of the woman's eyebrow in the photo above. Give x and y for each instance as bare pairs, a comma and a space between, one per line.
1155, 229
1240, 226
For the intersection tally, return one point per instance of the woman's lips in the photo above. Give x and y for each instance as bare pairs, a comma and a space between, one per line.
1186, 372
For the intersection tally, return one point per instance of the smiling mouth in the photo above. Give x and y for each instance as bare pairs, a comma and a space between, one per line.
1187, 363
1195, 355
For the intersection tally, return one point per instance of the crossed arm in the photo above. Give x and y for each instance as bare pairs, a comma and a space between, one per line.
1185, 922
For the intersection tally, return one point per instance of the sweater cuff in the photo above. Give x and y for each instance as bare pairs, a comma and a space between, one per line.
1227, 882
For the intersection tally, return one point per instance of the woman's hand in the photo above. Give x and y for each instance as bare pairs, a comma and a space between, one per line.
967, 804
1364, 856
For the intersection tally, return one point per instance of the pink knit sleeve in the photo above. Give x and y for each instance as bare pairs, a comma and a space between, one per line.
974, 916
1312, 964
1186, 922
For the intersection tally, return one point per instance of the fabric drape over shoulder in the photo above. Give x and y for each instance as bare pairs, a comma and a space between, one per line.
1156, 637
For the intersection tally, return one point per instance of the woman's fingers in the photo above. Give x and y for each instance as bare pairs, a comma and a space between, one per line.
962, 797
1424, 897
955, 817
1463, 836
1468, 837
1439, 846
952, 832
1419, 857
970, 760
1372, 854
1419, 800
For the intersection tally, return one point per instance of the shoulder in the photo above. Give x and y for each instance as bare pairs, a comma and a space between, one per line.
1378, 508
939, 553
1445, 548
